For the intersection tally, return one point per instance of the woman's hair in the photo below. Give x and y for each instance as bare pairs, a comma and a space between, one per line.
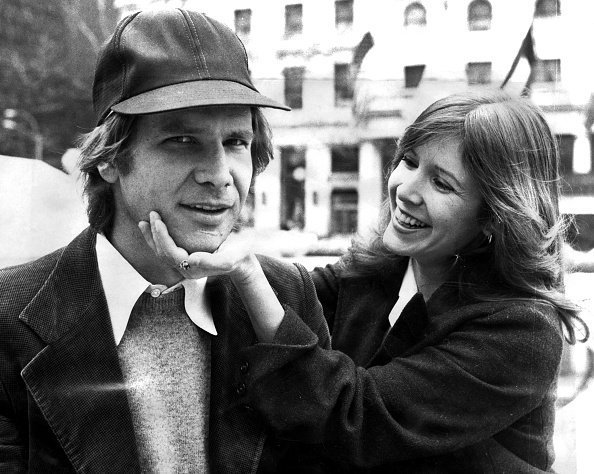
111, 143
508, 148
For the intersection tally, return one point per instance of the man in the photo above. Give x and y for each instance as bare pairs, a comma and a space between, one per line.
109, 360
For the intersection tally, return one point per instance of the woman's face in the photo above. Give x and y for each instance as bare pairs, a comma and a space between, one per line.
434, 204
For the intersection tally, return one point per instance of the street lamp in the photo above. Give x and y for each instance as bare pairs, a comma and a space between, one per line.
10, 122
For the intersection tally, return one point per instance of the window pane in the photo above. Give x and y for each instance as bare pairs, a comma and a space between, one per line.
344, 13
565, 143
478, 73
479, 15
292, 188
243, 22
294, 87
345, 159
415, 14
546, 8
293, 19
343, 84
547, 70
413, 75
343, 217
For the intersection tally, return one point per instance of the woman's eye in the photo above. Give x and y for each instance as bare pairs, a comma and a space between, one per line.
409, 162
442, 185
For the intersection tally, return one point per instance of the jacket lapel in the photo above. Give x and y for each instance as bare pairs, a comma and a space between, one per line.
76, 379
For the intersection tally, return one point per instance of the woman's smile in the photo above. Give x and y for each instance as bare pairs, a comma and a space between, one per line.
408, 221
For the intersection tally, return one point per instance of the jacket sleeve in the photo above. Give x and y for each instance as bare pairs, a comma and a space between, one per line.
481, 378
12, 450
326, 284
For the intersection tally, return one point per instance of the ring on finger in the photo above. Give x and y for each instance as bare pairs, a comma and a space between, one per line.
184, 265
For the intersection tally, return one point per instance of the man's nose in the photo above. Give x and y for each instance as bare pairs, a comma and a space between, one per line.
213, 168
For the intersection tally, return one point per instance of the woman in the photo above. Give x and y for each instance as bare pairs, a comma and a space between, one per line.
447, 327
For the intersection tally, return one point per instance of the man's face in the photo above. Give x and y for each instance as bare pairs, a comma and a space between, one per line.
192, 166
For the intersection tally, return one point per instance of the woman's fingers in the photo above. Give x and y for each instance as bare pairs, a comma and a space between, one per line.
145, 229
165, 247
232, 256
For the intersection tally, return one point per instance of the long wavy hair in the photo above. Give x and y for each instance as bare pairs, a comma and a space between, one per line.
111, 143
508, 148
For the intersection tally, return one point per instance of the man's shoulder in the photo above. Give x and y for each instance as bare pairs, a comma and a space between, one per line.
285, 277
20, 283
275, 266
29, 273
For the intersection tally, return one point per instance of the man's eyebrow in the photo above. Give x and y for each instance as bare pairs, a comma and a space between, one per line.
182, 127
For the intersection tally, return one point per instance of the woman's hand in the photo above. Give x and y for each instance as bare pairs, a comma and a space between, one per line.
232, 258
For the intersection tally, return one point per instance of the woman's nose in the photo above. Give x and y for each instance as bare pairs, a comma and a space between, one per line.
410, 190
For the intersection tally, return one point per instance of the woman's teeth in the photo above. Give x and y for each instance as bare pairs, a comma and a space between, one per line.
408, 220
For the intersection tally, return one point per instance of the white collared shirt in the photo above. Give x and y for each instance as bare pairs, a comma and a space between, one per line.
123, 285
408, 289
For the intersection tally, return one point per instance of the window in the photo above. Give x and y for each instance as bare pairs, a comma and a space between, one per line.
415, 14
293, 19
413, 75
545, 8
345, 159
565, 143
294, 87
292, 187
243, 22
343, 84
343, 13
478, 73
479, 15
547, 70
343, 214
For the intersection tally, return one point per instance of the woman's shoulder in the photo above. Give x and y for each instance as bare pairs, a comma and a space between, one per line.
513, 316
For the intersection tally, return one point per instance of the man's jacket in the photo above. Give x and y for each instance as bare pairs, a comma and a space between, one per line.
63, 405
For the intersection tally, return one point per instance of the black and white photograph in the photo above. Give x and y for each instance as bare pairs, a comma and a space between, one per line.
283, 236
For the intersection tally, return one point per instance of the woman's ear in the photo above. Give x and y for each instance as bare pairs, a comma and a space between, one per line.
108, 172
488, 231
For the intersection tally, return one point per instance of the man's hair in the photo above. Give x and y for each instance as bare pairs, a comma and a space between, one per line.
110, 143
507, 147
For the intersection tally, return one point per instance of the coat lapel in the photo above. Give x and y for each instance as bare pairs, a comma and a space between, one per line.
76, 379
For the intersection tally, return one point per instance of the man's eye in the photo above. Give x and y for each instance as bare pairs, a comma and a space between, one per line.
181, 139
236, 142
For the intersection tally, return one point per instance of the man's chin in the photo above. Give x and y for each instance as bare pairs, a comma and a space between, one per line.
202, 242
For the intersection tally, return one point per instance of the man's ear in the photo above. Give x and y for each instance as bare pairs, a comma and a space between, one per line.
108, 172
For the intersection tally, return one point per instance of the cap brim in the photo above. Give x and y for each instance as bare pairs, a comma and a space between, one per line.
194, 94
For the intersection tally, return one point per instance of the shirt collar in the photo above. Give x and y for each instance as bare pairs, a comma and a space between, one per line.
408, 289
123, 285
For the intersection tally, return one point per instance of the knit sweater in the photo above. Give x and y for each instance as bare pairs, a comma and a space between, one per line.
165, 361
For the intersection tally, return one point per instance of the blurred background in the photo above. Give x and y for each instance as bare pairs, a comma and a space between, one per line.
355, 73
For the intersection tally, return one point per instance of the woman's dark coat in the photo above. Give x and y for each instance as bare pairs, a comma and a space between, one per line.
454, 386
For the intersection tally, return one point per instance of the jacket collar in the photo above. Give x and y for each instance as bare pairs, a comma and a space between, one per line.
76, 379
75, 279
418, 318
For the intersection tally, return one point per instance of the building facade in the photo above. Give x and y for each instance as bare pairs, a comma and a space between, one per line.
356, 72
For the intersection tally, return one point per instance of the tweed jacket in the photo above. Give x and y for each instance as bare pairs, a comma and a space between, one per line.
63, 406
453, 386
